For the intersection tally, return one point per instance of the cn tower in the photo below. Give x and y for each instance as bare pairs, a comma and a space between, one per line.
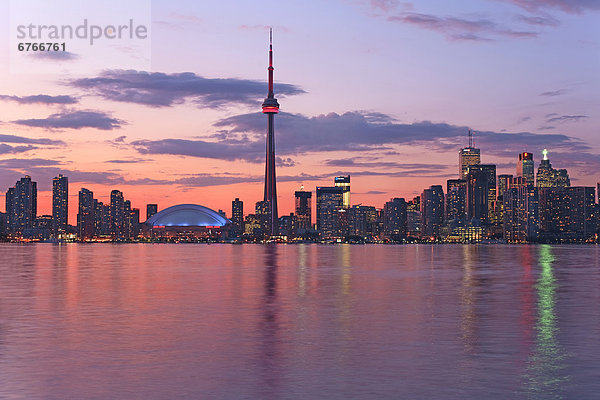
271, 107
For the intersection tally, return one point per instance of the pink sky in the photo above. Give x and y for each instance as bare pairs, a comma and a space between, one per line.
381, 90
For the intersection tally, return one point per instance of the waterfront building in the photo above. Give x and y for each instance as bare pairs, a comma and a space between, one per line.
330, 200
362, 221
432, 211
413, 217
60, 205
151, 209
344, 182
21, 205
86, 215
481, 193
303, 210
567, 214
456, 197
467, 157
117, 215
395, 218
525, 169
521, 214
186, 223
237, 217
550, 177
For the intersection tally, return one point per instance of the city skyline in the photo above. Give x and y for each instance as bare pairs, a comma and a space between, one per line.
206, 145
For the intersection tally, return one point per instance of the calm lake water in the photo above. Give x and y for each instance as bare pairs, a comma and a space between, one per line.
162, 321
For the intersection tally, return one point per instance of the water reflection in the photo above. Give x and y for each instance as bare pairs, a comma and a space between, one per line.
467, 298
269, 329
546, 364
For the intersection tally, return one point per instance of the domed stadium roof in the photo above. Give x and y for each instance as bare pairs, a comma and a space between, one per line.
187, 215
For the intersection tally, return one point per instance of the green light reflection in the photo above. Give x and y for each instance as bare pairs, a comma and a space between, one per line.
545, 367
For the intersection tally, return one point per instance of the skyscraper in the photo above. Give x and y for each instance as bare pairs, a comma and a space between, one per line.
504, 182
413, 217
344, 182
263, 213
468, 156
303, 209
271, 107
10, 210
432, 211
237, 217
481, 193
151, 209
394, 218
567, 213
21, 205
60, 205
456, 198
525, 168
362, 220
330, 201
86, 215
521, 214
117, 215
550, 177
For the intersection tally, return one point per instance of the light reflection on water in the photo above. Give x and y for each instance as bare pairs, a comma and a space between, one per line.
299, 321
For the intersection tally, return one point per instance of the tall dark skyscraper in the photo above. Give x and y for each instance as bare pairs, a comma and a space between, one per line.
456, 198
60, 204
468, 156
271, 107
117, 215
330, 200
525, 168
151, 209
432, 211
303, 209
394, 218
86, 215
521, 213
21, 205
481, 193
237, 216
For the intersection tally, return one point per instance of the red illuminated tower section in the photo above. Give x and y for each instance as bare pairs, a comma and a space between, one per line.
271, 107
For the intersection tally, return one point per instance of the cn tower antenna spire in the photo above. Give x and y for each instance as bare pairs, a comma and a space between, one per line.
271, 94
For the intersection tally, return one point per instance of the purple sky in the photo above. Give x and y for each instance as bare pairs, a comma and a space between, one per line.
383, 90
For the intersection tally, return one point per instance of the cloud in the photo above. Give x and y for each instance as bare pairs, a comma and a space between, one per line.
7, 149
133, 161
43, 170
21, 139
40, 99
251, 151
568, 6
164, 90
566, 118
538, 20
22, 163
55, 55
461, 29
553, 93
74, 120
355, 162
241, 137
